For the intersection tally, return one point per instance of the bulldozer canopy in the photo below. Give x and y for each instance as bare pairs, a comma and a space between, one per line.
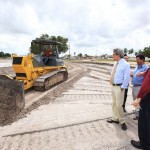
46, 42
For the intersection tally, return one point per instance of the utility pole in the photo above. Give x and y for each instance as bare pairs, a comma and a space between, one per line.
69, 49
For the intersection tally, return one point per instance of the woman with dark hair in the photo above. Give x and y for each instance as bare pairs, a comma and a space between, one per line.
143, 101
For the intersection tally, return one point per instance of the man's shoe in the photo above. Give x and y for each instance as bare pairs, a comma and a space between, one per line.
123, 126
136, 118
112, 121
136, 144
124, 109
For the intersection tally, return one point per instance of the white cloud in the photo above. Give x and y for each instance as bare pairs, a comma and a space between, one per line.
92, 26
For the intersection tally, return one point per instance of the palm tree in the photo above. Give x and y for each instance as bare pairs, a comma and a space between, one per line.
125, 50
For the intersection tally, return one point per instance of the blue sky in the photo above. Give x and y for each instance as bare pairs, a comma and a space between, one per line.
93, 27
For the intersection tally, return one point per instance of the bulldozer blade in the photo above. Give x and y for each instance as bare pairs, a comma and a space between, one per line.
11, 97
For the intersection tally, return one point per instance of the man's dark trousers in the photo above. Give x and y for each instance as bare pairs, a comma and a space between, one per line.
144, 122
125, 97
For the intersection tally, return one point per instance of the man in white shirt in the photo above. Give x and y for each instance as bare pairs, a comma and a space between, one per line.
120, 78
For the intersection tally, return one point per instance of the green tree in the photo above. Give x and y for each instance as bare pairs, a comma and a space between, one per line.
64, 47
68, 56
85, 55
131, 51
1, 54
80, 55
145, 52
44, 36
7, 55
136, 53
125, 50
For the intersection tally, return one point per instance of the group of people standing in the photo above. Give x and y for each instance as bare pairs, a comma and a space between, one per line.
120, 78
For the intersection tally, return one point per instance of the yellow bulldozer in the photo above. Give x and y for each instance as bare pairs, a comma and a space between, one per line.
31, 71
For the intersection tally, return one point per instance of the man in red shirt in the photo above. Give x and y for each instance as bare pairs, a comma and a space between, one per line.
143, 101
48, 53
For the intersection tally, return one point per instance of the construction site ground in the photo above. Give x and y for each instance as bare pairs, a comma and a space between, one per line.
71, 115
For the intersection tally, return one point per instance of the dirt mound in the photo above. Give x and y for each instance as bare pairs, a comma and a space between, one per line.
7, 71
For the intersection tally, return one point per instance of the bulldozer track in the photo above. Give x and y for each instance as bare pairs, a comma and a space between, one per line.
47, 81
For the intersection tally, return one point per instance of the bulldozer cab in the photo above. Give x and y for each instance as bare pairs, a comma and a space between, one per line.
48, 50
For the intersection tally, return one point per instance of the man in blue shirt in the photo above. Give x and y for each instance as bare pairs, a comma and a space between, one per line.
137, 78
119, 80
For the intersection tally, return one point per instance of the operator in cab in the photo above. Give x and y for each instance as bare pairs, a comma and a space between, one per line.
48, 53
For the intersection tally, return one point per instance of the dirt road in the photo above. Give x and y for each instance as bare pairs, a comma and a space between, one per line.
71, 116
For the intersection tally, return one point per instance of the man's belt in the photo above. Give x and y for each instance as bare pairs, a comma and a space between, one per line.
116, 84
136, 85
